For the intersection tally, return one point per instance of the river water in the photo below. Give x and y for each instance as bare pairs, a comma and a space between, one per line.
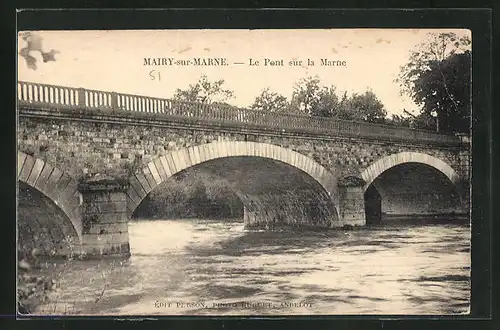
205, 267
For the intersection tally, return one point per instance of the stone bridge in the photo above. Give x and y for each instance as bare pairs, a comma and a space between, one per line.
87, 159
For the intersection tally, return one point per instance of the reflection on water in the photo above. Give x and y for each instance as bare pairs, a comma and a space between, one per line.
217, 268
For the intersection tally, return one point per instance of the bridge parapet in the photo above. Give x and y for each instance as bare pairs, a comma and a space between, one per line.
61, 97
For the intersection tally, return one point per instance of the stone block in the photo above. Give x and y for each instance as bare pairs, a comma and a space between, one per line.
165, 166
107, 207
21, 157
149, 178
93, 239
115, 196
119, 238
61, 185
186, 157
41, 183
69, 191
103, 250
26, 169
52, 181
198, 154
137, 187
155, 173
222, 148
143, 182
73, 202
212, 151
161, 170
172, 168
204, 152
132, 202
35, 172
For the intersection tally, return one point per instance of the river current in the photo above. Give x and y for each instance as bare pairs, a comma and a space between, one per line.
207, 267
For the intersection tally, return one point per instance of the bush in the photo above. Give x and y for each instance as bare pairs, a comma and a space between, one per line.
191, 194
31, 289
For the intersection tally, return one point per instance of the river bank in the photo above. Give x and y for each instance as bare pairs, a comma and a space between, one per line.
32, 288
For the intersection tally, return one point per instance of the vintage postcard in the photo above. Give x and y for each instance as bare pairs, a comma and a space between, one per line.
244, 172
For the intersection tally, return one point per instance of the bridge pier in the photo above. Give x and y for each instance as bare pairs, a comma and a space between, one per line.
294, 211
249, 217
104, 219
351, 202
258, 216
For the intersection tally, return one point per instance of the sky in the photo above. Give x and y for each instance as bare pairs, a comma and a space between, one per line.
114, 60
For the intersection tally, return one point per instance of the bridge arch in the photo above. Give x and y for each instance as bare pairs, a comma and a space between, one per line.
387, 162
55, 184
160, 169
408, 199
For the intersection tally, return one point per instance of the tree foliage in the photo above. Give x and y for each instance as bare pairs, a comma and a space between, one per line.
191, 194
269, 101
420, 121
437, 77
400, 120
306, 95
365, 107
327, 103
204, 91
311, 98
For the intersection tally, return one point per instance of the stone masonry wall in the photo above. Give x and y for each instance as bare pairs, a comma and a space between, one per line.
104, 218
82, 147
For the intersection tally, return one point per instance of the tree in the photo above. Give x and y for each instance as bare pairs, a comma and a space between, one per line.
305, 95
204, 91
444, 90
400, 120
421, 121
365, 107
269, 101
311, 98
437, 78
327, 103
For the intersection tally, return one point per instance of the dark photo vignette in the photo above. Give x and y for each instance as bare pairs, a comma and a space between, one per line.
122, 20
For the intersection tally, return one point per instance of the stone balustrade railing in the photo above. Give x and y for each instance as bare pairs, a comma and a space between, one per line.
44, 95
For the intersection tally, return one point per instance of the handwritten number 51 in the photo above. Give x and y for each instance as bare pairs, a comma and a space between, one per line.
154, 75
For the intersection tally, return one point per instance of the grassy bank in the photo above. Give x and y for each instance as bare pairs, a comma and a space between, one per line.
32, 289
